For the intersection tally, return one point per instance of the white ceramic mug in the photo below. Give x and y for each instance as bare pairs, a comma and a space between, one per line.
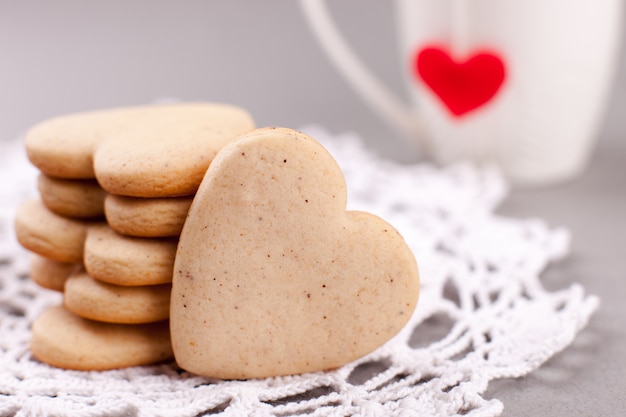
519, 83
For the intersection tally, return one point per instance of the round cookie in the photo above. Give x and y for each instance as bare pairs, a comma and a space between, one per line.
72, 198
65, 340
146, 217
50, 274
151, 151
96, 300
128, 261
52, 236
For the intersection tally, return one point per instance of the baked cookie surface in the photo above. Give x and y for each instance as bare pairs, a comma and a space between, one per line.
126, 260
147, 217
65, 340
151, 151
273, 276
96, 300
49, 235
72, 198
63, 146
50, 274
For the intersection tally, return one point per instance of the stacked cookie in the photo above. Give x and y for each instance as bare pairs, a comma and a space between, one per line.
115, 189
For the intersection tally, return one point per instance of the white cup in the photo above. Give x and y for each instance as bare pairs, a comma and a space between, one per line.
519, 83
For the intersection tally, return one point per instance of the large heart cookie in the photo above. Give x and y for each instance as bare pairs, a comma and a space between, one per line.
273, 276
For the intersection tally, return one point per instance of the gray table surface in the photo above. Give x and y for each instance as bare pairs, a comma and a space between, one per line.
588, 378
66, 56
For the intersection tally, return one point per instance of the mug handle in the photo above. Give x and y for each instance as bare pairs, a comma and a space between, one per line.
397, 114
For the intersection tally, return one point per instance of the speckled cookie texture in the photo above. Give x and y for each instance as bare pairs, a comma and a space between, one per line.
65, 340
151, 151
273, 276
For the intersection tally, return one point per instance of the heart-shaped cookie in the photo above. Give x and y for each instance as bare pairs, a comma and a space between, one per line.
273, 276
149, 151
464, 85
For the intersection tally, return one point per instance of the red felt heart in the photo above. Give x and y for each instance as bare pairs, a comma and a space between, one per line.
461, 86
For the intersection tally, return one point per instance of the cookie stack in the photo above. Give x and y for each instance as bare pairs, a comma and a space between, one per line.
115, 188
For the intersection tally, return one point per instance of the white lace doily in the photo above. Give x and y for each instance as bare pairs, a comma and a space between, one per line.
483, 312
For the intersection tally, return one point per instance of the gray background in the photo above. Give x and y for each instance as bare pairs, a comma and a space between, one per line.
70, 55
